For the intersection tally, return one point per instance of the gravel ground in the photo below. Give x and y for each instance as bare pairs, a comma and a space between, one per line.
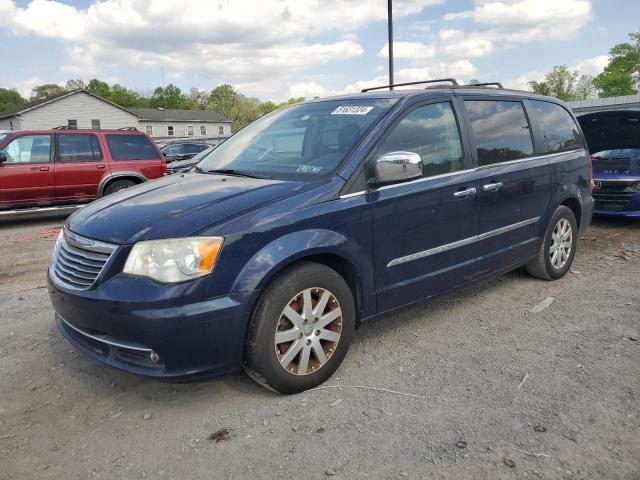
484, 388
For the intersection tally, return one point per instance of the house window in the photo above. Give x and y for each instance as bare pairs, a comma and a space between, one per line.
95, 124
220, 130
73, 124
170, 130
190, 130
10, 124
149, 130
203, 129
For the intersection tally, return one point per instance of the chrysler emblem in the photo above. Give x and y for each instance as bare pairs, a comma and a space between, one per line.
597, 185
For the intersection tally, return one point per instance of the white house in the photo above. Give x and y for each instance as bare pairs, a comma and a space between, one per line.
161, 123
76, 109
81, 109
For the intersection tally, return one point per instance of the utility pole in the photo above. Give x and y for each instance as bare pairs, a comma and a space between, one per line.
390, 31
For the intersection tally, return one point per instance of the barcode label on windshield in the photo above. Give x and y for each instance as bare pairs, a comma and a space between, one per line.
351, 110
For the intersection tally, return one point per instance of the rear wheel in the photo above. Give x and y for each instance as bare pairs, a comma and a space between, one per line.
558, 247
118, 185
301, 329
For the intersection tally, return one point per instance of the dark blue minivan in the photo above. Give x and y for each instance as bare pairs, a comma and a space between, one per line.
318, 217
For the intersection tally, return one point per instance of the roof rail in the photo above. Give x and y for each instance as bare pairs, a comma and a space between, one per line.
64, 127
128, 128
485, 84
439, 80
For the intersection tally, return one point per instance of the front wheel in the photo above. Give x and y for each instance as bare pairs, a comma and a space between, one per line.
558, 248
301, 329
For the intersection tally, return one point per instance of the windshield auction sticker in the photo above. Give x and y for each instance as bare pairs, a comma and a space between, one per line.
351, 110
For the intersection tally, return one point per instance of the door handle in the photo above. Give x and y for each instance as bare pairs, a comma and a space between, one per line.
465, 193
44, 169
492, 187
100, 166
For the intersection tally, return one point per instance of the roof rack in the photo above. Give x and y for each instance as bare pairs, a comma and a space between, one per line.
128, 128
485, 84
64, 127
439, 80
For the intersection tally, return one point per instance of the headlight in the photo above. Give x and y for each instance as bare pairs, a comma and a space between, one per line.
174, 260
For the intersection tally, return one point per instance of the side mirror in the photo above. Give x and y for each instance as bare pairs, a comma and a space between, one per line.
3, 157
398, 167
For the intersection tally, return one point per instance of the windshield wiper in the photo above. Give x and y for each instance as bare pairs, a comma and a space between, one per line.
231, 171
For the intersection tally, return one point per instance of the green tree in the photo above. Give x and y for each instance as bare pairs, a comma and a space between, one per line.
99, 88
621, 76
10, 98
42, 92
170, 97
198, 98
564, 84
74, 84
233, 105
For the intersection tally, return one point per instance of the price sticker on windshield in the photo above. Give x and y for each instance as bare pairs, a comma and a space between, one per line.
351, 110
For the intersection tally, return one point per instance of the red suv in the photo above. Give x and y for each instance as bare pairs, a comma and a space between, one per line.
73, 166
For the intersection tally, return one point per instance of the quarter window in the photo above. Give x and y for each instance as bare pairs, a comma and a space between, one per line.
131, 147
432, 132
500, 130
29, 149
556, 128
78, 148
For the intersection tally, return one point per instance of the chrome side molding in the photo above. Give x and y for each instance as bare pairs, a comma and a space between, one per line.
461, 243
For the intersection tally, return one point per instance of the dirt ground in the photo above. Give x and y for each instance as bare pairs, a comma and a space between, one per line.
484, 388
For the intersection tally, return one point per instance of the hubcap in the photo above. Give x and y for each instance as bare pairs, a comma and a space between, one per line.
308, 331
561, 242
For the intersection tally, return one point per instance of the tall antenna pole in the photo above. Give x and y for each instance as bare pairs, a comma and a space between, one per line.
390, 30
164, 99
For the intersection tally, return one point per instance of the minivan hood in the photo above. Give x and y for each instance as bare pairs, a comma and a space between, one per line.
174, 206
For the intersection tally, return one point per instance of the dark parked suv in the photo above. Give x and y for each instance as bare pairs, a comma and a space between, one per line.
318, 217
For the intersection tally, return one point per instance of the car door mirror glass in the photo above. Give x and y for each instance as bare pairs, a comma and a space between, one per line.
3, 157
397, 167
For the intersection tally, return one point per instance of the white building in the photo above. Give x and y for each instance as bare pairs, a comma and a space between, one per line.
165, 124
80, 109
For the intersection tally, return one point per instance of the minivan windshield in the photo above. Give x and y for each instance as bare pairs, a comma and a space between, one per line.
302, 142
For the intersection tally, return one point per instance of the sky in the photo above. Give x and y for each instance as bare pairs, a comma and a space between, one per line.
276, 49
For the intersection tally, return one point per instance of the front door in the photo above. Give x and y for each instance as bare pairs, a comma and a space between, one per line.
79, 166
424, 230
26, 177
515, 186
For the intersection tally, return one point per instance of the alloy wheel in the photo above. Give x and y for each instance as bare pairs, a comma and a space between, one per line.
561, 243
308, 331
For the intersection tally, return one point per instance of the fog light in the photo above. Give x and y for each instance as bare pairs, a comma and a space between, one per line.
155, 358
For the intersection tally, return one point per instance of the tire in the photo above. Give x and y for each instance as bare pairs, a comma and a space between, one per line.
546, 265
281, 366
117, 186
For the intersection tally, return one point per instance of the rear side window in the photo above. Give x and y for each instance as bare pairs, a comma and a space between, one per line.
78, 148
500, 130
431, 131
131, 147
557, 130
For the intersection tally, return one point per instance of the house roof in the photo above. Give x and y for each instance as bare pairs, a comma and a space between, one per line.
179, 115
38, 103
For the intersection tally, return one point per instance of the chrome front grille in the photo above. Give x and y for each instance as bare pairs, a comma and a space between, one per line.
78, 261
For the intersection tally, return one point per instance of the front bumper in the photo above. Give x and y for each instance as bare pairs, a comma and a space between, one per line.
158, 339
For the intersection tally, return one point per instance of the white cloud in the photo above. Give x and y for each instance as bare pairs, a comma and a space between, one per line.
408, 51
310, 90
241, 42
591, 66
522, 82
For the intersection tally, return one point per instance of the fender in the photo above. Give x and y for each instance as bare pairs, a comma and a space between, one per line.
116, 175
285, 250
561, 195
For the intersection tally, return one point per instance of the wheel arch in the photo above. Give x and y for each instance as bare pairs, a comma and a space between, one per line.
109, 179
320, 246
